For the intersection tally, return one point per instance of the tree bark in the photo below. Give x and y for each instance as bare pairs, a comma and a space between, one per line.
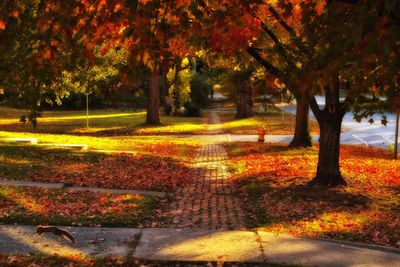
330, 122
164, 85
328, 170
301, 136
153, 98
244, 107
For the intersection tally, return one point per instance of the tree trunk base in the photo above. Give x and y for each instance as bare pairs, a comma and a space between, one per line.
244, 116
327, 179
303, 142
152, 122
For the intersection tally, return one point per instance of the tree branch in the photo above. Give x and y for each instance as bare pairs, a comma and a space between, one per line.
345, 106
279, 45
315, 108
289, 29
271, 69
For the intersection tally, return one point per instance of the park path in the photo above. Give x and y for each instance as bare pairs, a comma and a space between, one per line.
209, 200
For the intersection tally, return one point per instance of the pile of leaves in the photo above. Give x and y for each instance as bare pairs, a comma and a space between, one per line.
273, 180
61, 207
161, 168
124, 171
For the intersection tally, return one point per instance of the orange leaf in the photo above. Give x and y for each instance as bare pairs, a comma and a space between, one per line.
15, 14
2, 25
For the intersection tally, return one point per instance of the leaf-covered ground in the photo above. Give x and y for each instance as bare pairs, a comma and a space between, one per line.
19, 260
273, 181
163, 168
60, 207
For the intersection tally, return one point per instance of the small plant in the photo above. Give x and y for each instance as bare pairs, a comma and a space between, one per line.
192, 110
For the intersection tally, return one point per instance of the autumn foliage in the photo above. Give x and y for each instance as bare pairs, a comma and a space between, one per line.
273, 180
49, 206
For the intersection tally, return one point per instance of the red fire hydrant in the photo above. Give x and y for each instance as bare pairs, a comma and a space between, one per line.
261, 134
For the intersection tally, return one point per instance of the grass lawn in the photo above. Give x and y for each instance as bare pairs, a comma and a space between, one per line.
127, 124
152, 171
101, 122
273, 120
272, 180
60, 207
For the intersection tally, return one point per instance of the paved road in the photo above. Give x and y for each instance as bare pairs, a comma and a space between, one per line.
375, 134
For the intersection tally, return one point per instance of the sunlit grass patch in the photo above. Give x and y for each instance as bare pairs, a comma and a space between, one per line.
121, 143
273, 178
275, 123
101, 123
105, 123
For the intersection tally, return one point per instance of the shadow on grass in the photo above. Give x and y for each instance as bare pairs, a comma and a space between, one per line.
314, 201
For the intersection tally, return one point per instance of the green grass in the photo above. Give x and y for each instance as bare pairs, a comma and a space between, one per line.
101, 122
107, 123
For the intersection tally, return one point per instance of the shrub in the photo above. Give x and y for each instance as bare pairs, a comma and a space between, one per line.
200, 89
192, 110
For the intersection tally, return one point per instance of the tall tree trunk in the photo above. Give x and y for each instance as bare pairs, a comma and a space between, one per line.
164, 85
153, 98
330, 121
301, 136
244, 107
328, 170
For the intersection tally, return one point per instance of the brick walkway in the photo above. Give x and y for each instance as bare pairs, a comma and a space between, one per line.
209, 201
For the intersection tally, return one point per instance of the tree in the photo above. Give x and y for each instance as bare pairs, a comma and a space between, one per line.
341, 42
312, 46
102, 77
357, 43
150, 30
239, 85
237, 28
28, 62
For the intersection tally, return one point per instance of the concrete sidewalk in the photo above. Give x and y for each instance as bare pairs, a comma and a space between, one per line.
89, 241
197, 244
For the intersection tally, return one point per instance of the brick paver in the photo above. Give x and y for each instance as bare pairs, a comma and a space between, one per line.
209, 200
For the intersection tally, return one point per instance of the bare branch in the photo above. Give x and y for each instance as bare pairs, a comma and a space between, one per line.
289, 29
271, 68
279, 45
